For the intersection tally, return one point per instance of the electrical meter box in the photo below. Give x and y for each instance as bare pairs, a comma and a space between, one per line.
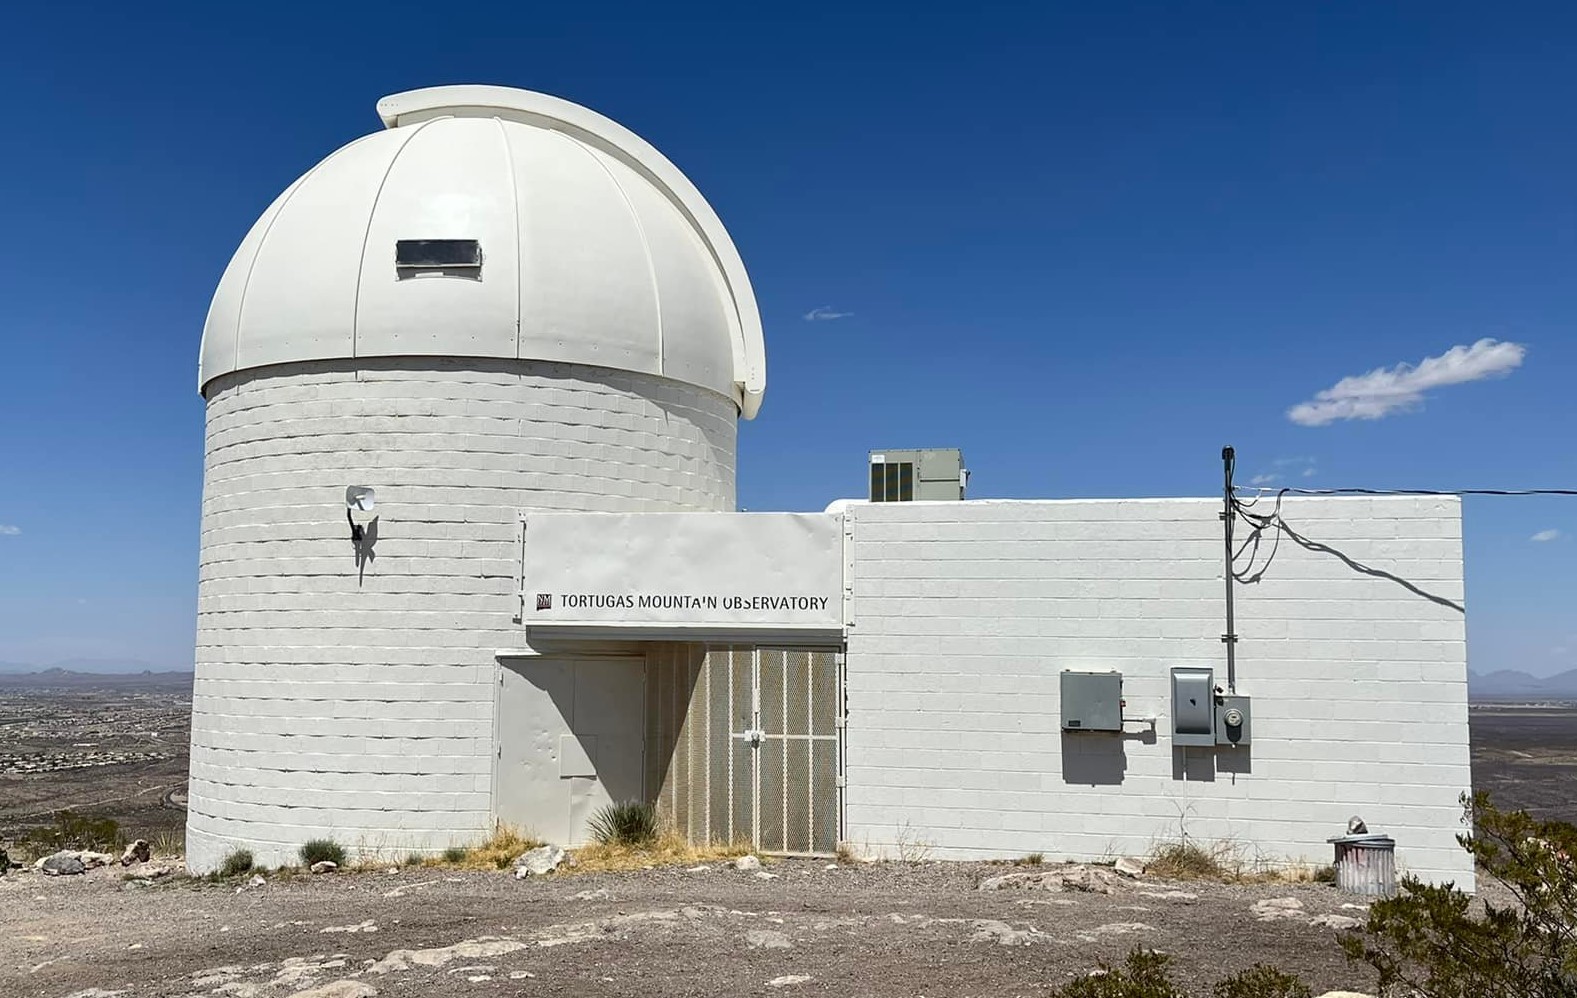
1193, 706
1092, 701
1232, 720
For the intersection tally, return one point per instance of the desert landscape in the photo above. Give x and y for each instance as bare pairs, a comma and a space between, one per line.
115, 747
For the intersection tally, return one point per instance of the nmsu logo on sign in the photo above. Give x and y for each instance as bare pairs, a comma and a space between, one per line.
544, 601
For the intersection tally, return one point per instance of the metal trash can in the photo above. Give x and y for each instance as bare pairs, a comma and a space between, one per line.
1366, 864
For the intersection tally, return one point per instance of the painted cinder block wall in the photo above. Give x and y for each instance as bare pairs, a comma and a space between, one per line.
358, 704
964, 615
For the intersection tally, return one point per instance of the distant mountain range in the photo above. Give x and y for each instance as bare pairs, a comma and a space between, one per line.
1508, 683
94, 666
54, 679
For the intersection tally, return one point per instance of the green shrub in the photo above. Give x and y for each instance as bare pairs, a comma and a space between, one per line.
455, 854
414, 859
1260, 981
1430, 942
1143, 976
238, 861
74, 831
624, 824
319, 850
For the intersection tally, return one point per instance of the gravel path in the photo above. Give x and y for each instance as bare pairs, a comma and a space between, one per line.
885, 929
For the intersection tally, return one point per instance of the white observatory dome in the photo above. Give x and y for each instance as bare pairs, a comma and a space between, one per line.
501, 304
489, 222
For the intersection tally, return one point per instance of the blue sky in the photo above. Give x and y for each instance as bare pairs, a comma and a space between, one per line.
1089, 244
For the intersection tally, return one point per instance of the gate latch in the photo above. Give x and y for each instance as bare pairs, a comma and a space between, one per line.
754, 735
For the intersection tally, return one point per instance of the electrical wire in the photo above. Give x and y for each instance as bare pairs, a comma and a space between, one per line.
1412, 492
1261, 522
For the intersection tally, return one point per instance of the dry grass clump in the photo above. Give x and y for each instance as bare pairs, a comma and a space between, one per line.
1224, 862
1188, 860
667, 849
497, 852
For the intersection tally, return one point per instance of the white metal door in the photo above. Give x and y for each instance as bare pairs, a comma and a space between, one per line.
570, 741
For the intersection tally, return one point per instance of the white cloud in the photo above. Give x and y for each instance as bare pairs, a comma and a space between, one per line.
1547, 535
1385, 390
825, 313
9, 530
1304, 467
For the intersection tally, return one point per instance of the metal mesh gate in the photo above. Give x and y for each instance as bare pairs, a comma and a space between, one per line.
744, 744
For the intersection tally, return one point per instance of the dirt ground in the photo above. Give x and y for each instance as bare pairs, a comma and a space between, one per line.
1525, 755
883, 929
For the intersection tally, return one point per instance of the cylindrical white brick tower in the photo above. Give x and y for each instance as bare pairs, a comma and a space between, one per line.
502, 302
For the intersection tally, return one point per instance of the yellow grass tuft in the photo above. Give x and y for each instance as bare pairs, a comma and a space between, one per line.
497, 852
669, 849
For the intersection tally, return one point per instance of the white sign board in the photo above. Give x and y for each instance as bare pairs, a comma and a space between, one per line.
691, 570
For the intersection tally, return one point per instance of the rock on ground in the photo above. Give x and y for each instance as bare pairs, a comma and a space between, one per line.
1129, 867
325, 866
470, 949
1270, 909
787, 980
767, 939
747, 863
339, 989
1074, 877
138, 852
66, 860
536, 862
1335, 921
62, 864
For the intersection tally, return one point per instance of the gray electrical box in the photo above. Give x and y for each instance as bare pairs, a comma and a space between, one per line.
1232, 720
909, 475
1193, 706
1092, 701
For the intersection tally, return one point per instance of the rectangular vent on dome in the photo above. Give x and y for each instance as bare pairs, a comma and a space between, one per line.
438, 257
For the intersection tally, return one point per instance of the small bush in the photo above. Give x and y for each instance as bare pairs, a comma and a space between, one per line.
74, 831
625, 824
1429, 941
237, 862
413, 859
1034, 859
1325, 875
169, 842
319, 850
1260, 981
455, 854
1186, 861
1143, 975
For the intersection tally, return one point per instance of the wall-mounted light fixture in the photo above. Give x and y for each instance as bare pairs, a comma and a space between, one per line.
359, 503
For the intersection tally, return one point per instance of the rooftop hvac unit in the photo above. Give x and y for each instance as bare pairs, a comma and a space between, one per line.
907, 475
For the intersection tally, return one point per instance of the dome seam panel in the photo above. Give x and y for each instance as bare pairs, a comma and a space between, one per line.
366, 234
640, 230
514, 199
251, 267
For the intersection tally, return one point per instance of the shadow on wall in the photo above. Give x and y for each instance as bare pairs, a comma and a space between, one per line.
673, 670
1204, 763
1275, 520
363, 543
1096, 759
